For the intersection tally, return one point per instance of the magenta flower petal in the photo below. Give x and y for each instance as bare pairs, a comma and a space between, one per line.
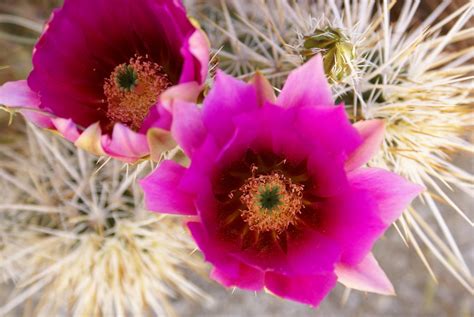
67, 128
333, 131
246, 278
264, 89
164, 116
187, 126
227, 270
195, 53
124, 144
366, 276
229, 97
305, 252
106, 64
372, 132
359, 216
213, 254
18, 94
327, 171
391, 192
244, 134
162, 192
201, 170
183, 92
352, 219
310, 289
307, 86
272, 194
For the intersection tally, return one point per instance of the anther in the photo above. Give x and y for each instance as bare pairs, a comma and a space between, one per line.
132, 89
272, 202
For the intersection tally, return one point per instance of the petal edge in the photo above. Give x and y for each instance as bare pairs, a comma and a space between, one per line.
372, 133
391, 192
366, 276
162, 193
307, 86
309, 290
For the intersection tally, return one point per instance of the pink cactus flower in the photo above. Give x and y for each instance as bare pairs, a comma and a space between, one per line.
100, 67
277, 192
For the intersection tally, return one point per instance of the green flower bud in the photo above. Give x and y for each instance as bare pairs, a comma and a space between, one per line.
336, 49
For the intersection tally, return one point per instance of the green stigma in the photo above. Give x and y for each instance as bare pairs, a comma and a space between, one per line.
127, 78
269, 198
336, 49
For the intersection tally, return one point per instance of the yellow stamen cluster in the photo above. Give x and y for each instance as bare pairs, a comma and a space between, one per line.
132, 89
272, 202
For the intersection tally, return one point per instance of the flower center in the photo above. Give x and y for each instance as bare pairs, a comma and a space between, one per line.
126, 78
269, 198
272, 202
132, 89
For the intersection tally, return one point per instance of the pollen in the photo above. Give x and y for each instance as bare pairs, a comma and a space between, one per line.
272, 202
132, 89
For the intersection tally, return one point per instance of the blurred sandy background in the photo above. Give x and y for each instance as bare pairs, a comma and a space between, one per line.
418, 295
